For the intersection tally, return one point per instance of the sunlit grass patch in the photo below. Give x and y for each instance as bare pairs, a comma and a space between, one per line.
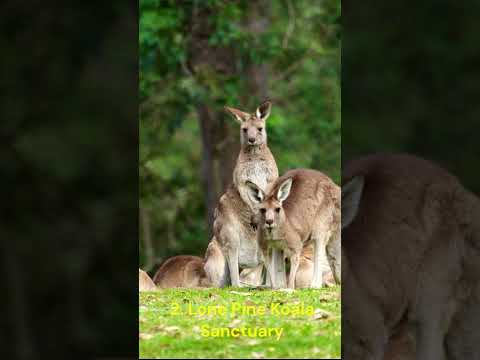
199, 323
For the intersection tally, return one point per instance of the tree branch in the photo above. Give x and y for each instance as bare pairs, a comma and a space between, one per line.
291, 24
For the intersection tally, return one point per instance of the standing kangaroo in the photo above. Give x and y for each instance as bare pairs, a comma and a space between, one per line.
302, 206
411, 261
235, 237
255, 162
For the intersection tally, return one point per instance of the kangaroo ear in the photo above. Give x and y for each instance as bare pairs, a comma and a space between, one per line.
351, 195
263, 111
284, 190
255, 194
240, 116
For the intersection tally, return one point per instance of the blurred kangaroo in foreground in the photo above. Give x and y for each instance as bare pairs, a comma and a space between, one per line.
144, 282
411, 261
303, 206
181, 271
235, 236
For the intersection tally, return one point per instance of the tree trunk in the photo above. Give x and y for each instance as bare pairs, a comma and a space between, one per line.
210, 183
257, 23
147, 238
220, 135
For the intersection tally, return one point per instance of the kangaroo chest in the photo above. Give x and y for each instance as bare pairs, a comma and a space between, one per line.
258, 171
277, 240
272, 242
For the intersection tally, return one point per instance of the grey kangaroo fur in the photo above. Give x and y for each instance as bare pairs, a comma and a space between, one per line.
234, 244
411, 261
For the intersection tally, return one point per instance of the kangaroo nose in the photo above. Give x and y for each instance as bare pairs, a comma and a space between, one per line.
251, 140
269, 221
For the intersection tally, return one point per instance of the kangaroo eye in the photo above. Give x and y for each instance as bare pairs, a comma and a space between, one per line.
244, 130
277, 210
260, 129
263, 210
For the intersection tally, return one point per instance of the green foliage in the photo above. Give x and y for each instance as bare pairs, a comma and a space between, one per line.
165, 335
301, 46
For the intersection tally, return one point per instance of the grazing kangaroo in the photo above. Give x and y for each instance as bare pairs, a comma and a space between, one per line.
302, 206
411, 261
144, 282
234, 232
183, 271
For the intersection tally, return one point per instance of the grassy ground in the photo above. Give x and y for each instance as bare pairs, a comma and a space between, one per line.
175, 323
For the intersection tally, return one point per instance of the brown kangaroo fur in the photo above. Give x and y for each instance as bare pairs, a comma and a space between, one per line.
305, 270
144, 282
302, 206
411, 261
183, 271
234, 244
254, 276
249, 276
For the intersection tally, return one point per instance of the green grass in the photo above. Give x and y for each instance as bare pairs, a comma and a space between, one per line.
170, 331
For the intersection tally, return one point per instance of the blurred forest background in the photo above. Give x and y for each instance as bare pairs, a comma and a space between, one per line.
198, 56
411, 84
69, 221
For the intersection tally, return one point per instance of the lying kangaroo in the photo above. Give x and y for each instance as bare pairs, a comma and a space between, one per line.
302, 206
181, 271
234, 232
411, 261
144, 282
